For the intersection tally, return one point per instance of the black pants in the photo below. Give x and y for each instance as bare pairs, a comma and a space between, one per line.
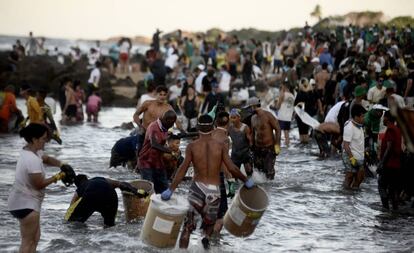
389, 181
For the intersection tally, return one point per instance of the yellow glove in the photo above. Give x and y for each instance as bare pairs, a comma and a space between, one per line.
353, 161
59, 176
277, 149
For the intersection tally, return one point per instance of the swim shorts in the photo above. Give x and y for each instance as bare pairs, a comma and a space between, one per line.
264, 160
284, 125
205, 199
348, 165
71, 111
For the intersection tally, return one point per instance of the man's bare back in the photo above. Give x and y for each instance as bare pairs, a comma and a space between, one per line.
263, 124
206, 157
206, 154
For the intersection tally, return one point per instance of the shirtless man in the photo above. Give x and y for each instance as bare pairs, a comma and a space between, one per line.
152, 110
70, 108
321, 78
266, 143
207, 156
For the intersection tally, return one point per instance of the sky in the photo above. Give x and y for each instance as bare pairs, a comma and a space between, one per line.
101, 19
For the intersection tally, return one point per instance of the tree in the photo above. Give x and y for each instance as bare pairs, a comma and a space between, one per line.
317, 13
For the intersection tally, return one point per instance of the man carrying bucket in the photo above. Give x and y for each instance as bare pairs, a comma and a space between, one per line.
206, 154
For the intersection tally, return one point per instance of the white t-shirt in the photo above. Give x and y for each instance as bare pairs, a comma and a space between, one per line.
225, 79
93, 58
175, 92
399, 100
286, 108
360, 45
355, 136
171, 61
375, 95
124, 48
332, 115
257, 72
95, 76
277, 54
23, 194
199, 82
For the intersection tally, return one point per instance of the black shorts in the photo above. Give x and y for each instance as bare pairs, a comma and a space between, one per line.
71, 111
240, 158
21, 213
303, 128
284, 125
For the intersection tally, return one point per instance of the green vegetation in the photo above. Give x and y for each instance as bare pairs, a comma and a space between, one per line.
317, 12
401, 22
365, 18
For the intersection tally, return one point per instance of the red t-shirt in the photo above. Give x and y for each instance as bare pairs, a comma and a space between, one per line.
151, 158
393, 135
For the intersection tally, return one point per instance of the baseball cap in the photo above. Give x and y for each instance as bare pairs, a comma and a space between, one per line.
252, 101
234, 112
359, 91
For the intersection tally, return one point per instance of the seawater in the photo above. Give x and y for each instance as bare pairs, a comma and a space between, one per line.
309, 210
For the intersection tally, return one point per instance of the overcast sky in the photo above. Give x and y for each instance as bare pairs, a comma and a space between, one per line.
100, 19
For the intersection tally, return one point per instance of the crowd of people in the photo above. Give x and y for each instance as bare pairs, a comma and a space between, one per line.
237, 97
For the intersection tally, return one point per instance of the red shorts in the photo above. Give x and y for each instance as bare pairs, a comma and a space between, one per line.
123, 57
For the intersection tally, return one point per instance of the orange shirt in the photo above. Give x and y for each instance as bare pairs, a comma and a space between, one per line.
8, 106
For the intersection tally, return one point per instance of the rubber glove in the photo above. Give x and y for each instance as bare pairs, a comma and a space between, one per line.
232, 187
166, 195
353, 161
127, 187
249, 183
58, 176
277, 149
141, 193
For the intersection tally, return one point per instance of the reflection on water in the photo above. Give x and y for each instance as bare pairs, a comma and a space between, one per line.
308, 209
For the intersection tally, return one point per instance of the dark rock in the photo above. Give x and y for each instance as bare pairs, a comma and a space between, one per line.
45, 71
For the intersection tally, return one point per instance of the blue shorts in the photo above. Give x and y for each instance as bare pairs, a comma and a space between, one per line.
277, 63
284, 125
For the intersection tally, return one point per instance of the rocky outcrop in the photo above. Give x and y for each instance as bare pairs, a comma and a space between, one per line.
44, 71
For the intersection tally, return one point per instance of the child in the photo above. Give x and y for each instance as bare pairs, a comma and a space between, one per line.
173, 160
94, 106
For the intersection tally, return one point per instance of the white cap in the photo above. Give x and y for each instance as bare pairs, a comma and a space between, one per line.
380, 107
312, 81
315, 59
201, 67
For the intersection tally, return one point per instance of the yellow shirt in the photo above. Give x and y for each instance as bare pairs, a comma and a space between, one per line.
34, 111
